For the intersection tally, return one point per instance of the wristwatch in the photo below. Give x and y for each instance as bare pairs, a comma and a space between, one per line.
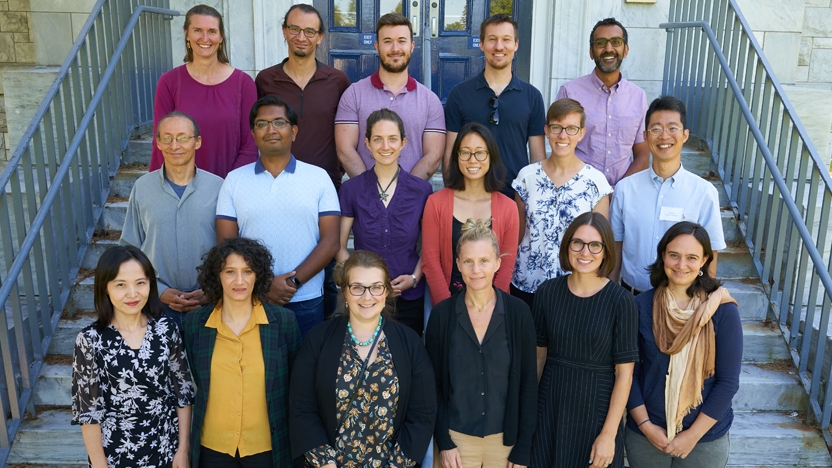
415, 281
294, 279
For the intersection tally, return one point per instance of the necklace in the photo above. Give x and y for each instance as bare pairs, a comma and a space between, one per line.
383, 195
480, 308
372, 338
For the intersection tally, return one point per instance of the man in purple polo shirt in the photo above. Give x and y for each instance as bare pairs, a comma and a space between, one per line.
614, 107
391, 87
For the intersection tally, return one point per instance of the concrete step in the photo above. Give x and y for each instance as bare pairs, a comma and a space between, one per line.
82, 296
762, 343
112, 217
122, 184
94, 251
730, 228
732, 262
769, 388
750, 296
775, 440
49, 439
138, 151
54, 385
63, 341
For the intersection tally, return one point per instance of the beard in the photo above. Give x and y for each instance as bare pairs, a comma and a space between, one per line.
300, 53
608, 68
391, 68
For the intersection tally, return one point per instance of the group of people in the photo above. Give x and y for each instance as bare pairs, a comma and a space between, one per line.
564, 291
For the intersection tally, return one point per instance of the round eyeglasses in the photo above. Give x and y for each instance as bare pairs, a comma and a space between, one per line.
571, 130
577, 245
465, 155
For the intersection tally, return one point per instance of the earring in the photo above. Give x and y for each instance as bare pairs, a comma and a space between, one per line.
188, 45
220, 46
700, 272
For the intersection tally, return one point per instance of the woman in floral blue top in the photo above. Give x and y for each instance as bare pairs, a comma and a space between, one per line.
550, 195
131, 384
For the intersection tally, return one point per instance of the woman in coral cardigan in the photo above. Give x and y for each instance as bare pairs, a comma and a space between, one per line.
473, 180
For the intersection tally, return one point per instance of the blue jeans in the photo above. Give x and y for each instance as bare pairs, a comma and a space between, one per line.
308, 313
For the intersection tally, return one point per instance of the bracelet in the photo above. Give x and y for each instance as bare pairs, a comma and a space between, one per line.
415, 281
646, 420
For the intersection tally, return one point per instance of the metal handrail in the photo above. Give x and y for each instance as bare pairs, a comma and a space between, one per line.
97, 111
775, 196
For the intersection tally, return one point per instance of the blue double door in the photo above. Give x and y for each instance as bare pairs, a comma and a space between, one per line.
446, 33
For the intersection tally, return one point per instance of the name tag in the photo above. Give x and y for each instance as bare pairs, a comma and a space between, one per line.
671, 213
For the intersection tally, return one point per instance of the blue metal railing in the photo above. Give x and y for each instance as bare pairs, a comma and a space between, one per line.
103, 91
778, 185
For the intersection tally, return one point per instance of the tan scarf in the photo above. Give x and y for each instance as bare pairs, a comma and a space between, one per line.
688, 337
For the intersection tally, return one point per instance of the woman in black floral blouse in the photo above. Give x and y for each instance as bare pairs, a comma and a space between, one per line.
362, 390
131, 384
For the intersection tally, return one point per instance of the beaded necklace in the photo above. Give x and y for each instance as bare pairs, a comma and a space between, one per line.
370, 340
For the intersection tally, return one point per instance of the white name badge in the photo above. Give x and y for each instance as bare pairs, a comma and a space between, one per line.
671, 213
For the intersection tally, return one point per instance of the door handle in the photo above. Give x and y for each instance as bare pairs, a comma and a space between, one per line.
416, 17
434, 18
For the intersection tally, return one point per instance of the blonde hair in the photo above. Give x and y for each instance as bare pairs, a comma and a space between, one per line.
476, 230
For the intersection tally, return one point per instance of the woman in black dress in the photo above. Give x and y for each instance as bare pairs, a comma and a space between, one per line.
131, 384
587, 344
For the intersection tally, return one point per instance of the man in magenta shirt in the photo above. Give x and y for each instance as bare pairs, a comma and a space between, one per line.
614, 107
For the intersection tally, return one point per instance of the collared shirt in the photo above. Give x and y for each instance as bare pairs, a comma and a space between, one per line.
614, 122
174, 232
237, 417
316, 105
644, 207
392, 231
479, 374
521, 111
419, 108
282, 212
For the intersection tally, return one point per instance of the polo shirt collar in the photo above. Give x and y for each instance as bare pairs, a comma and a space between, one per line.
676, 177
290, 168
600, 84
375, 80
481, 82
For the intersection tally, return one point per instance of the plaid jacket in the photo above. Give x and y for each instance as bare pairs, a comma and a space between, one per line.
280, 340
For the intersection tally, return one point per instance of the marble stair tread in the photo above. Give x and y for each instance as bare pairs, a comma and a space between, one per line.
49, 439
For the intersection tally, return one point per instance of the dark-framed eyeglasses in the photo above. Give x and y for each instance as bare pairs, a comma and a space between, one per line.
308, 32
595, 247
601, 42
465, 155
181, 139
556, 129
358, 290
494, 118
276, 123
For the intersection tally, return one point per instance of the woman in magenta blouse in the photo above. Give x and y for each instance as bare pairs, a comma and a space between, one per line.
383, 208
213, 92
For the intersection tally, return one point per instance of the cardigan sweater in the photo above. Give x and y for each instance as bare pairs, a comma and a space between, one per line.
280, 340
312, 402
521, 405
438, 251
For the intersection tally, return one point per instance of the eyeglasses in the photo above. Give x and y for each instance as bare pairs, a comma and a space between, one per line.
465, 155
601, 42
595, 247
276, 123
656, 131
556, 129
295, 30
358, 290
181, 139
495, 115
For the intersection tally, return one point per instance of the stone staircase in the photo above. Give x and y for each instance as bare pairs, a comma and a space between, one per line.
769, 428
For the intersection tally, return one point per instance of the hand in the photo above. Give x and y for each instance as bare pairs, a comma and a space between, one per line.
514, 465
179, 301
682, 445
180, 459
282, 289
451, 458
655, 434
603, 451
402, 283
197, 295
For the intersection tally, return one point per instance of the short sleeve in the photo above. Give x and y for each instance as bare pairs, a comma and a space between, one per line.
639, 137
562, 93
225, 201
436, 115
180, 371
347, 107
625, 338
519, 186
328, 204
347, 198
711, 218
453, 112
617, 213
87, 401
537, 118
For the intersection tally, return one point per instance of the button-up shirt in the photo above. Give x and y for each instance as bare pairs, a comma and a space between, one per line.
644, 206
614, 122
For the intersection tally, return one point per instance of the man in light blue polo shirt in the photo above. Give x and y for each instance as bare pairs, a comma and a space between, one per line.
289, 206
647, 203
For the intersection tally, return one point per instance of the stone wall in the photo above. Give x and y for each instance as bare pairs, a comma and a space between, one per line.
17, 50
815, 58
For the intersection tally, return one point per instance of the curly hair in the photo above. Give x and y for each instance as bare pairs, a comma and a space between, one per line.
107, 270
362, 259
257, 257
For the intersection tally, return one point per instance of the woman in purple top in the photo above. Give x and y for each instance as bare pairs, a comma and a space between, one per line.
383, 208
216, 94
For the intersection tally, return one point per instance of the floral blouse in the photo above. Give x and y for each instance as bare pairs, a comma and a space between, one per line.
549, 211
365, 434
132, 393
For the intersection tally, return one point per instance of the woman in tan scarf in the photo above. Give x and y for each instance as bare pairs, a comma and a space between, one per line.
690, 344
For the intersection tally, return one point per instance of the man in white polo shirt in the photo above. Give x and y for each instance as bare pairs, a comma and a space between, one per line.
288, 205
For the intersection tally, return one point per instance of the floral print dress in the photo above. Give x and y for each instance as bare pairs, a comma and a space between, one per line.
132, 393
549, 211
365, 424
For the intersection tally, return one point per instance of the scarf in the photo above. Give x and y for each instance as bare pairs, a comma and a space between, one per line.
688, 337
